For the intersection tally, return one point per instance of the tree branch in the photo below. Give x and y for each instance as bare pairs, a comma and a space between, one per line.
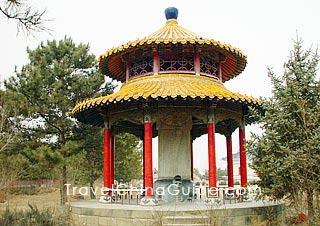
28, 19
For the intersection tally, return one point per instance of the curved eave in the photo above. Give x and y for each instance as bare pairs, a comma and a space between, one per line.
110, 63
94, 115
173, 86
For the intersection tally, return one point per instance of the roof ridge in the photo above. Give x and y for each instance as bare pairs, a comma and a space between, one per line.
172, 30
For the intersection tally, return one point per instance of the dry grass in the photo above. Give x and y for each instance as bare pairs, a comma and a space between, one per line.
42, 209
45, 198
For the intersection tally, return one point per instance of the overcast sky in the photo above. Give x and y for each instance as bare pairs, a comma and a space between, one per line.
264, 30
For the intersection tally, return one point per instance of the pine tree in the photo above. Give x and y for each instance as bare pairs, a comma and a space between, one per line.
59, 75
50, 142
127, 158
28, 18
287, 155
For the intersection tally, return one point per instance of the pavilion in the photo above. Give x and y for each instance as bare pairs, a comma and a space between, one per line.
172, 88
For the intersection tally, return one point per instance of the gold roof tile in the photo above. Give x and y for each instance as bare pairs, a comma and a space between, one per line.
168, 85
173, 33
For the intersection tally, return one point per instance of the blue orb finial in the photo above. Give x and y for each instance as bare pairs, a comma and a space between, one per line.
171, 13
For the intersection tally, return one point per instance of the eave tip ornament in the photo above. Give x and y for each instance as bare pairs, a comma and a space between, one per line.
171, 13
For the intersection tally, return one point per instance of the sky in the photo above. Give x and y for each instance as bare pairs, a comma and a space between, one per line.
264, 30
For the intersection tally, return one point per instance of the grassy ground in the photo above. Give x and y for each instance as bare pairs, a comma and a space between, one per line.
39, 208
45, 198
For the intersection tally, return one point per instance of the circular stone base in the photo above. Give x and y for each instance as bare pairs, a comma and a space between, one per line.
179, 214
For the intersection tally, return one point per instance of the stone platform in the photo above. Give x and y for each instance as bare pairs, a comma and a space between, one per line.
94, 213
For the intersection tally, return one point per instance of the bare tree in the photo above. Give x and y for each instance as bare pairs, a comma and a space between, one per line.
10, 171
7, 132
28, 19
10, 166
6, 137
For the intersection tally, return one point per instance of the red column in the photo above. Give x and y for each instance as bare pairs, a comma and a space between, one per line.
243, 157
107, 158
144, 165
112, 158
191, 161
229, 161
148, 169
212, 155
156, 62
196, 61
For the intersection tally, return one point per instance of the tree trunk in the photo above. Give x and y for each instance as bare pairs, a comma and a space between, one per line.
310, 207
63, 188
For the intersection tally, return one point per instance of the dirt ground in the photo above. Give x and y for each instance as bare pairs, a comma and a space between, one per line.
47, 198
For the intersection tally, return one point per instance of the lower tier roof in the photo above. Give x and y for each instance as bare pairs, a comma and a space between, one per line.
165, 91
164, 86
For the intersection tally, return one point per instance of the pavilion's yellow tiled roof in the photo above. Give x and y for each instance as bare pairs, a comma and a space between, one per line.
168, 85
110, 63
173, 31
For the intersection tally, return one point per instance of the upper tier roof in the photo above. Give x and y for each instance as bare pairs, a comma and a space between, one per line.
112, 65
